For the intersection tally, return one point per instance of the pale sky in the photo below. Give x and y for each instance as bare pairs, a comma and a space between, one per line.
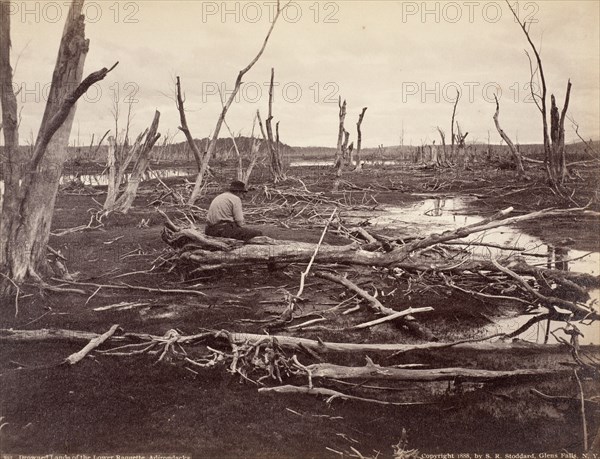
402, 60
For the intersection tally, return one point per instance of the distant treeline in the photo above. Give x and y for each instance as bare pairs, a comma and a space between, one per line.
225, 152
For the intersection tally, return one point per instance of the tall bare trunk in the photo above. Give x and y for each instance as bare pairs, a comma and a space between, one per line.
359, 137
339, 152
30, 197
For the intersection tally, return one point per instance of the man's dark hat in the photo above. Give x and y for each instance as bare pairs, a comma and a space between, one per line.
237, 186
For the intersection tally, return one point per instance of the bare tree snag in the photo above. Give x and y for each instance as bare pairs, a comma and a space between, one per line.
460, 144
180, 99
557, 134
212, 146
359, 139
273, 144
141, 154
442, 161
10, 200
29, 203
513, 150
339, 152
554, 159
453, 137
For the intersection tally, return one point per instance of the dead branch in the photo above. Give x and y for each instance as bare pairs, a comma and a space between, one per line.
332, 394
547, 301
305, 273
93, 344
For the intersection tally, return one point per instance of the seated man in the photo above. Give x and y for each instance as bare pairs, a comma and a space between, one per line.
225, 217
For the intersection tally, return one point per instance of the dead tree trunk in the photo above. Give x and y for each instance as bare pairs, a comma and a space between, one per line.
140, 153
184, 126
453, 138
339, 152
513, 150
442, 156
30, 197
359, 138
557, 134
554, 153
273, 144
215, 136
460, 144
244, 175
434, 153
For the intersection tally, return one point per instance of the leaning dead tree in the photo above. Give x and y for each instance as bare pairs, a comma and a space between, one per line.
553, 133
212, 146
359, 139
139, 156
273, 143
32, 182
513, 150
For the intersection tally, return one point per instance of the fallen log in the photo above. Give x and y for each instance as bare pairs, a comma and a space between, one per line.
332, 394
290, 342
407, 257
373, 371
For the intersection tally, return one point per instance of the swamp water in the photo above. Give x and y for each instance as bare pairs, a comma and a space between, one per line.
439, 213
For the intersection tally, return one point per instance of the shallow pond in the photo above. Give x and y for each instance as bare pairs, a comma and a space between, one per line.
437, 214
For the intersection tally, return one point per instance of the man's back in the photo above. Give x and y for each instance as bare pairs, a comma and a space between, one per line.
226, 207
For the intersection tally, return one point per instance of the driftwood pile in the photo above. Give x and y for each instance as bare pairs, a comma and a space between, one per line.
261, 358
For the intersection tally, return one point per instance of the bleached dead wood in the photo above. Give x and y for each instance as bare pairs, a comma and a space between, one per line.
332, 394
547, 301
375, 304
142, 160
513, 150
407, 313
180, 100
212, 146
373, 371
289, 342
93, 344
407, 257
